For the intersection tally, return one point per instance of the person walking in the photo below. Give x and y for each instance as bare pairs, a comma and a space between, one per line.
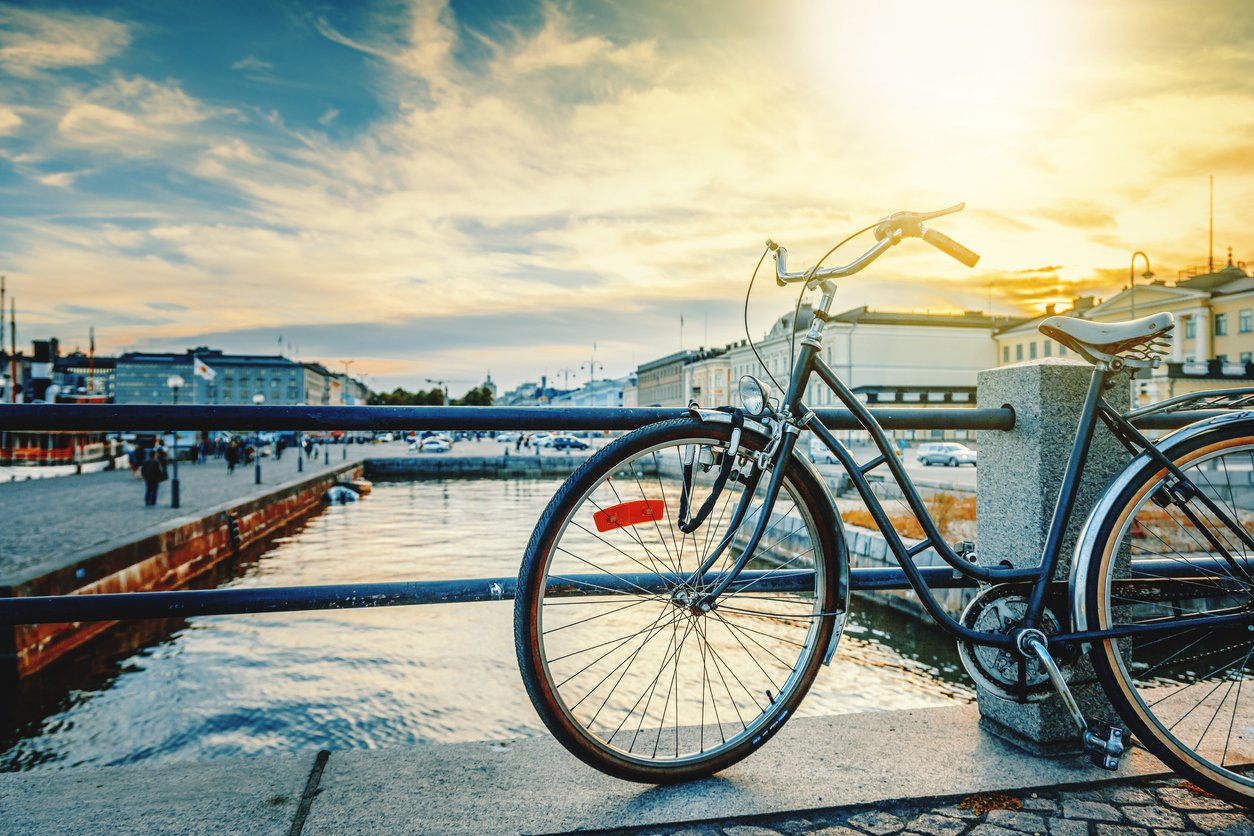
153, 470
232, 455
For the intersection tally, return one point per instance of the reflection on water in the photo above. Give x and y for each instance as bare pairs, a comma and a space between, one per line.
224, 686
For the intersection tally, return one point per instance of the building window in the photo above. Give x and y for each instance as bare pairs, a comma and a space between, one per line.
1222, 358
1246, 325
1221, 324
1032, 349
1049, 348
1062, 351
1190, 328
1019, 352
1247, 356
1005, 354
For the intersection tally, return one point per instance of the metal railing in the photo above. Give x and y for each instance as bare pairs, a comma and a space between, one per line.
184, 603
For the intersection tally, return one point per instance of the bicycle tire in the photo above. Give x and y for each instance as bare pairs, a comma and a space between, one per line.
735, 674
1180, 692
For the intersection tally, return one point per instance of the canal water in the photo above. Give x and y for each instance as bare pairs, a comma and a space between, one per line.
226, 686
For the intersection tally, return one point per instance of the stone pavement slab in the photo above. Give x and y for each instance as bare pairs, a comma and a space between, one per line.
259, 796
535, 786
929, 771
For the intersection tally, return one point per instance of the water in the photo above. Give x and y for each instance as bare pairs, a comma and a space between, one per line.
226, 686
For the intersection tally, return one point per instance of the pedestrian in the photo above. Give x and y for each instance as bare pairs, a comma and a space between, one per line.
154, 472
231, 455
518, 443
278, 447
135, 458
309, 450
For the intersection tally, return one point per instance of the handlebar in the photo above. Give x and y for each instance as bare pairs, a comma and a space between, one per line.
888, 233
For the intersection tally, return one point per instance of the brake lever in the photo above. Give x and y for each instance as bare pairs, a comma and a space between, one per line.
911, 223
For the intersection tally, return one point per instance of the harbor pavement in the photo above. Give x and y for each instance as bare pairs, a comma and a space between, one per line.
43, 519
928, 772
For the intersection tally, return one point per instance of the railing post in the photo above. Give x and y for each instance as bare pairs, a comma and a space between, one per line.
1020, 472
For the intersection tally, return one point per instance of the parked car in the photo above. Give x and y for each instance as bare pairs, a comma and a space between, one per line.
819, 452
948, 453
434, 444
566, 442
542, 439
507, 437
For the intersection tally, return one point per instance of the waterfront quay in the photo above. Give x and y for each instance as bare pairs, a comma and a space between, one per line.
91, 533
929, 772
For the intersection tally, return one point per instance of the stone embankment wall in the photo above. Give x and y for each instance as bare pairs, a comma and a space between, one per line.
171, 559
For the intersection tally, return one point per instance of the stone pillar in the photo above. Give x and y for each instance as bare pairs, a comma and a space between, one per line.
1020, 473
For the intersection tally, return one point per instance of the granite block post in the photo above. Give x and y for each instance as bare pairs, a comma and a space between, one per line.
1020, 473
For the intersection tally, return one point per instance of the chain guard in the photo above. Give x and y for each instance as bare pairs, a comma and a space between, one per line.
1000, 609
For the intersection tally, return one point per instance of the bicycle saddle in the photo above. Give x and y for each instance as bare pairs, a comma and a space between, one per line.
1139, 342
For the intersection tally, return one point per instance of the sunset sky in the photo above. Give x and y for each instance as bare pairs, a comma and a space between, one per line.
443, 189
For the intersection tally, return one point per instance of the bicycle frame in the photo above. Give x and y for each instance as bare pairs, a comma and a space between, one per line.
796, 415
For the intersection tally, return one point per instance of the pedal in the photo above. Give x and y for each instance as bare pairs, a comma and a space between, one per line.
1104, 744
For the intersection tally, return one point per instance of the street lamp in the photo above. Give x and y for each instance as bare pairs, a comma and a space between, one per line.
1147, 275
258, 399
175, 382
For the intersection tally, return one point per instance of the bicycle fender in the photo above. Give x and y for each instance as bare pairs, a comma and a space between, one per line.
1081, 561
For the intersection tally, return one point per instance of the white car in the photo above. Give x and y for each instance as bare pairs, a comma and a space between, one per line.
819, 454
507, 437
542, 440
434, 444
948, 453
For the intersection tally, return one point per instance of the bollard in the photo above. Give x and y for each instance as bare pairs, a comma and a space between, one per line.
257, 471
1016, 489
326, 454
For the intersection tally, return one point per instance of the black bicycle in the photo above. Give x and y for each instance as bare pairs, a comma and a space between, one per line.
683, 586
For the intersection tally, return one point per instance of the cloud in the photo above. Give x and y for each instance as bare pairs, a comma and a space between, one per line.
59, 179
32, 42
581, 174
128, 116
252, 63
9, 121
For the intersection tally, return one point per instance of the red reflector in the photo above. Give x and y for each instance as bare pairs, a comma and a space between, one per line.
629, 513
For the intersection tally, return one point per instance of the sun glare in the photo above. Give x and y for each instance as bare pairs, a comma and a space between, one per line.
975, 67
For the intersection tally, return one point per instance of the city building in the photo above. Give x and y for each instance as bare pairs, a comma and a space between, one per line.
211, 376
904, 359
1212, 346
661, 382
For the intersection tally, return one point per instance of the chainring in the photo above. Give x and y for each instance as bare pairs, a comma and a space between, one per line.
1000, 609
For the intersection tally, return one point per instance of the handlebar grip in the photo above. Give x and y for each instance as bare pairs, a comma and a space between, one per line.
950, 247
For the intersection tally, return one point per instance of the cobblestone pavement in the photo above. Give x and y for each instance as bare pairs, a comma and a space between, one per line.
1155, 808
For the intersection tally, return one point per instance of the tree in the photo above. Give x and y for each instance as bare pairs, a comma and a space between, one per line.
479, 396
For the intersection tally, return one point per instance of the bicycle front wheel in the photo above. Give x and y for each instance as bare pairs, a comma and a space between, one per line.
1168, 552
628, 672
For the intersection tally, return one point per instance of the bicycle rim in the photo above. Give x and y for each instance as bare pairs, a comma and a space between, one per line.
638, 682
1186, 693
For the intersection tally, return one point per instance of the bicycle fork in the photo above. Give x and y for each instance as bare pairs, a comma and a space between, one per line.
1102, 742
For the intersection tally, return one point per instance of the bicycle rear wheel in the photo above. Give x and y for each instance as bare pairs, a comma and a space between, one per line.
627, 673
1182, 691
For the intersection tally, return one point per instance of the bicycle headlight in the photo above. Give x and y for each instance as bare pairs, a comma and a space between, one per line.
753, 395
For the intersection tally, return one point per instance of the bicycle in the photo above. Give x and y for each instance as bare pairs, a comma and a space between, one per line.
682, 588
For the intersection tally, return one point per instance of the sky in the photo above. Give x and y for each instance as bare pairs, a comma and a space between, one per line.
439, 190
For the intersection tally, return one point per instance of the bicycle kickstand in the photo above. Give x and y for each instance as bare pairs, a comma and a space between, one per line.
1103, 743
